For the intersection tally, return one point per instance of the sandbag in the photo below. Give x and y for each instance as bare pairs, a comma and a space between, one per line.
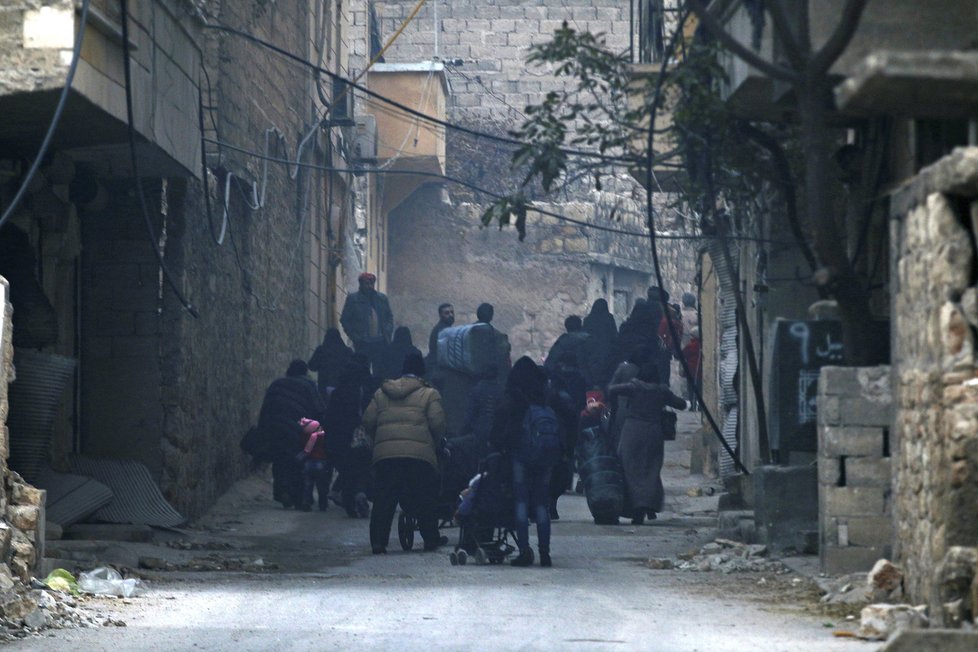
601, 475
470, 349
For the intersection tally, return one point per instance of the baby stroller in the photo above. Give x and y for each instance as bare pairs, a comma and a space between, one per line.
460, 461
486, 516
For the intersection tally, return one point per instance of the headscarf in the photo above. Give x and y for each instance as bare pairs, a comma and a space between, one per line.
527, 380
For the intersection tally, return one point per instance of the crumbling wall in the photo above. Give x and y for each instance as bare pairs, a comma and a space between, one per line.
854, 468
21, 505
935, 316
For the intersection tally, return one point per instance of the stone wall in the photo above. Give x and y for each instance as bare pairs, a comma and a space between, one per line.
21, 505
935, 310
854, 462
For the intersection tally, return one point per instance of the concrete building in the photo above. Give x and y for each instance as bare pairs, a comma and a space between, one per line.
259, 249
438, 249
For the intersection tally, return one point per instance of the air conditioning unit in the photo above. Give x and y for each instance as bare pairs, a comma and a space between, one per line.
341, 112
365, 140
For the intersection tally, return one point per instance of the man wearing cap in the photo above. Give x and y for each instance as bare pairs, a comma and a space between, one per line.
367, 319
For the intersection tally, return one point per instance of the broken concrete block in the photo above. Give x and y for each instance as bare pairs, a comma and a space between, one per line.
885, 577
879, 621
15, 604
933, 640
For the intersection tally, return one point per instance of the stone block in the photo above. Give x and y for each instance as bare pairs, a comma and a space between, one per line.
868, 471
853, 501
829, 470
858, 441
785, 502
870, 531
836, 560
932, 640
863, 412
25, 494
23, 517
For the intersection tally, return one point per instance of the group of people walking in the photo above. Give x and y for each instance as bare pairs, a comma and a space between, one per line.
375, 419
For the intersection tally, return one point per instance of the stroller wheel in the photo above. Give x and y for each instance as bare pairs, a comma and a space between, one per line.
462, 557
405, 531
453, 558
480, 557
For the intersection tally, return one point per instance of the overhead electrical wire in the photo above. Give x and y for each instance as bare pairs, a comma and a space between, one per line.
620, 160
485, 191
127, 70
55, 119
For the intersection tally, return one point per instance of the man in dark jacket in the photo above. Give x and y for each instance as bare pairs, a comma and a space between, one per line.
367, 319
446, 318
576, 342
286, 401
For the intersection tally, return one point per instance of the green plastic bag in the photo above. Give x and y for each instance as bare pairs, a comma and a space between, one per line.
61, 580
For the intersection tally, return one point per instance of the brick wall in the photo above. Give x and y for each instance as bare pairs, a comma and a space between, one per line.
854, 462
935, 306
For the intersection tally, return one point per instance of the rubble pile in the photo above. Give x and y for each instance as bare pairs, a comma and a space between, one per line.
724, 556
26, 611
212, 562
882, 584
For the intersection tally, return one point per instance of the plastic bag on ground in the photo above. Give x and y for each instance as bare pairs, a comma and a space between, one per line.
61, 580
107, 581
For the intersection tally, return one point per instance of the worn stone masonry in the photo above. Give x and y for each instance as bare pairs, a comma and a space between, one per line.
854, 462
935, 310
21, 505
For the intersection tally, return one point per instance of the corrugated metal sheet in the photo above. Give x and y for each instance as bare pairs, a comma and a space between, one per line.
136, 497
727, 467
729, 353
71, 498
34, 399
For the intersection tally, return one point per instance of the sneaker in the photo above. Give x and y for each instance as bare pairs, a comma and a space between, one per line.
525, 558
545, 560
362, 506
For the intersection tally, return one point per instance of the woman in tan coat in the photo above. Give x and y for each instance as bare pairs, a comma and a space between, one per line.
405, 422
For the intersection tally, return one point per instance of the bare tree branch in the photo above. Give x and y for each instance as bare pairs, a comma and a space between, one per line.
740, 50
844, 31
784, 32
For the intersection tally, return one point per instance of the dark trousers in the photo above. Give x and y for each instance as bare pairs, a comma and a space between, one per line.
286, 479
354, 476
531, 486
375, 353
316, 474
412, 483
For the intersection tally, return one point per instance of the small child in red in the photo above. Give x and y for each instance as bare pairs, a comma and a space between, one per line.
315, 470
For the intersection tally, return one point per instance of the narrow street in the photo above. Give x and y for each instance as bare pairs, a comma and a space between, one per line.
324, 590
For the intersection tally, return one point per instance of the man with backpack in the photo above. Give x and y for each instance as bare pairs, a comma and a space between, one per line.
527, 429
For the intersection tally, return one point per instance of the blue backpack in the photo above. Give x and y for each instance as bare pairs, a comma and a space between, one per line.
540, 437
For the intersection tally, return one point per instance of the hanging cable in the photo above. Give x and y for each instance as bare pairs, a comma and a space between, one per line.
127, 69
618, 160
55, 119
489, 193
653, 245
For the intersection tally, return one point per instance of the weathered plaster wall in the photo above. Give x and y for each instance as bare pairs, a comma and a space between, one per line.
935, 310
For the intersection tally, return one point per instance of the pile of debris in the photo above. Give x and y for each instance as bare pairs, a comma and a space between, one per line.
724, 556
28, 611
212, 562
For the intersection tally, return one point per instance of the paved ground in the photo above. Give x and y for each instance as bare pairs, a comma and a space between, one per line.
328, 592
